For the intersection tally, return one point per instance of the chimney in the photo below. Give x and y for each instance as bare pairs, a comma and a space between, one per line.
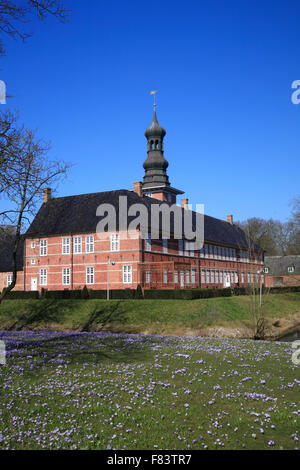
185, 204
137, 188
46, 194
230, 219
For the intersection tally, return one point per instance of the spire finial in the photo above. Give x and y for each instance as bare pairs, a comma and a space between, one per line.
153, 93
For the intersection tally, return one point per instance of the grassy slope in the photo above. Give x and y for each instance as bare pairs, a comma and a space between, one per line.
154, 316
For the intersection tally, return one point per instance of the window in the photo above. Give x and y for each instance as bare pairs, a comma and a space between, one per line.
32, 260
148, 277
90, 275
202, 276
186, 248
193, 276
217, 277
89, 244
242, 278
115, 242
220, 252
180, 247
207, 276
206, 250
43, 277
227, 253
127, 274
248, 278
236, 278
32, 244
187, 277
223, 255
191, 246
77, 245
9, 279
291, 269
232, 277
212, 275
266, 270
66, 276
148, 242
43, 247
175, 277
165, 277
216, 252
65, 246
221, 277
165, 245
202, 252
211, 254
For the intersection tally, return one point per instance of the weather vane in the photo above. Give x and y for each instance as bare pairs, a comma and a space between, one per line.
153, 93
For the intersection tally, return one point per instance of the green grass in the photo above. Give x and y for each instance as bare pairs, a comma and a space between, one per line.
99, 391
135, 316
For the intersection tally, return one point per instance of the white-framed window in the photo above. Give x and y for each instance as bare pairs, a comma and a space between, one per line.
43, 277
236, 278
43, 247
127, 274
291, 269
252, 278
148, 277
248, 278
211, 251
242, 278
65, 246
193, 276
90, 275
180, 247
165, 245
187, 277
221, 277
165, 277
77, 245
202, 276
212, 275
148, 242
175, 277
266, 270
115, 242
32, 261
223, 253
89, 244
9, 279
220, 252
227, 254
217, 277
207, 276
66, 276
206, 250
33, 245
232, 277
202, 252
216, 251
186, 248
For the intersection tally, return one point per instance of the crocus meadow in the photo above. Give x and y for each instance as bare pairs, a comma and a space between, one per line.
118, 391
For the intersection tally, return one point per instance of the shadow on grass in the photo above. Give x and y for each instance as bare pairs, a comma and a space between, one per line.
44, 311
112, 313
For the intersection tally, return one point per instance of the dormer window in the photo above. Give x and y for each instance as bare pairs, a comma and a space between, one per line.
291, 269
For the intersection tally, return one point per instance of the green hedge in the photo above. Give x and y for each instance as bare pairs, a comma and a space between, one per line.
186, 294
21, 295
283, 290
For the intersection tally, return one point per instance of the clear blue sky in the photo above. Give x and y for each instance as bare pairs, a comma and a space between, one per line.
223, 70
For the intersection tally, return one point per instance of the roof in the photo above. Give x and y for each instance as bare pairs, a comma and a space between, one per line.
278, 265
77, 214
7, 239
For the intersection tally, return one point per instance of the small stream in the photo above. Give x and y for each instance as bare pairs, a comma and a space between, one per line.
291, 337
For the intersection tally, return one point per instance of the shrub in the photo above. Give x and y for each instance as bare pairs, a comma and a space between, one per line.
139, 292
85, 293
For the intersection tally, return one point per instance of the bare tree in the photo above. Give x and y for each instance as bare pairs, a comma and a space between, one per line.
15, 14
24, 171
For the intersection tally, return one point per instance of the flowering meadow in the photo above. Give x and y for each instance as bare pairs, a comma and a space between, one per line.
118, 391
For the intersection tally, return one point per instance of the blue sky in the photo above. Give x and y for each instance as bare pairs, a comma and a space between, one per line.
223, 71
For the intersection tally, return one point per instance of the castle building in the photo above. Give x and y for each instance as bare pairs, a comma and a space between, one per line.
64, 249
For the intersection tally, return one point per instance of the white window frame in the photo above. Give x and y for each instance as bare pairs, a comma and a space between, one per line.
89, 244
43, 247
9, 279
66, 276
90, 275
32, 261
180, 247
291, 269
148, 242
266, 270
115, 242
175, 277
165, 245
187, 277
77, 245
148, 277
65, 245
217, 277
127, 273
212, 276
193, 276
207, 276
202, 276
43, 277
165, 277
33, 245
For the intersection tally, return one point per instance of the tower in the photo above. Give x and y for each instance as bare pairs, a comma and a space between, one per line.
156, 181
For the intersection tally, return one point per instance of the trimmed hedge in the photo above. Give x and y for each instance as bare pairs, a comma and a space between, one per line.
284, 289
21, 295
186, 294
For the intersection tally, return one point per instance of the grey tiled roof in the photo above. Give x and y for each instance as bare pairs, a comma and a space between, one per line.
7, 239
77, 214
278, 265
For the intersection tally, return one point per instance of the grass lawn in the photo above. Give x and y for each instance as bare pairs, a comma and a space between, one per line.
103, 390
140, 316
